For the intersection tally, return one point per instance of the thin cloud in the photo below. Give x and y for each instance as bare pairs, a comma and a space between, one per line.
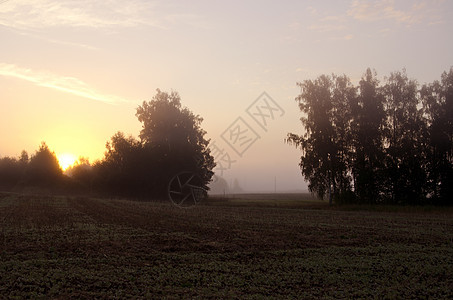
428, 12
327, 27
65, 84
34, 14
329, 23
189, 19
39, 14
55, 41
371, 11
348, 37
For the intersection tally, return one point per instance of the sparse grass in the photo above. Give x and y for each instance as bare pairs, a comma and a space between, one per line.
68, 247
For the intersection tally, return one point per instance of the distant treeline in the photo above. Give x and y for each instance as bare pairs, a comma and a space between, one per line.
41, 170
377, 143
171, 141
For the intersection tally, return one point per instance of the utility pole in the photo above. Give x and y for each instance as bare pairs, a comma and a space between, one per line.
275, 184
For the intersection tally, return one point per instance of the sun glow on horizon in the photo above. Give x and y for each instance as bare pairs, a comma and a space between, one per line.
66, 160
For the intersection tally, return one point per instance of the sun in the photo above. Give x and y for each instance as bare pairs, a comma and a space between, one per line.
66, 160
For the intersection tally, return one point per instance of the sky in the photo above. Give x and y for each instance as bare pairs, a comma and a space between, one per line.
72, 73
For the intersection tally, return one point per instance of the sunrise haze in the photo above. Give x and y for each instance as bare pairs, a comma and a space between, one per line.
72, 73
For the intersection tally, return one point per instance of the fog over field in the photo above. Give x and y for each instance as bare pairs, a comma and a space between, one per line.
72, 73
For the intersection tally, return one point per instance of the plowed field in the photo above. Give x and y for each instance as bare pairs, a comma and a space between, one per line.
68, 247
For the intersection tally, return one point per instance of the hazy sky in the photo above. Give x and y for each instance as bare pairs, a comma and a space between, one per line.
72, 73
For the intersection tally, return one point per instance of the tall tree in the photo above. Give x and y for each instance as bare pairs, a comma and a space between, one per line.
174, 136
438, 106
325, 144
344, 96
121, 170
406, 133
368, 130
380, 144
43, 168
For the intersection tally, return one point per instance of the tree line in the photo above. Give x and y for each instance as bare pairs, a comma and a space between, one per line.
373, 142
42, 170
389, 142
171, 140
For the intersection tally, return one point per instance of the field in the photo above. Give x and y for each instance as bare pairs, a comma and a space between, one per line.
278, 246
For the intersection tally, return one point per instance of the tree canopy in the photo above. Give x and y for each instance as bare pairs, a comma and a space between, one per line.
42, 170
372, 143
175, 135
171, 141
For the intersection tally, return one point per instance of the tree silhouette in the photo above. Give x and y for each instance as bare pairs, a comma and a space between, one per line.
368, 124
174, 137
325, 144
11, 172
377, 144
81, 172
438, 106
121, 172
43, 168
405, 154
171, 141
